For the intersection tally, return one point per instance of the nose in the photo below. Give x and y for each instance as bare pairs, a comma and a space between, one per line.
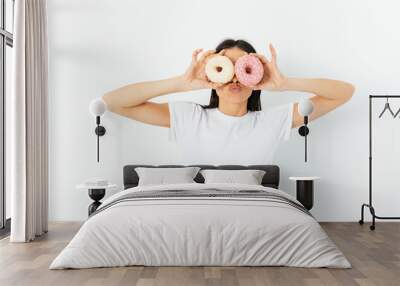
234, 79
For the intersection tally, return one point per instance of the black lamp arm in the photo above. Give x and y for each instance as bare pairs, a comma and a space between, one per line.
303, 131
99, 131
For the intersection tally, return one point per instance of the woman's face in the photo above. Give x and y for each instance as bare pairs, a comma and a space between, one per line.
234, 91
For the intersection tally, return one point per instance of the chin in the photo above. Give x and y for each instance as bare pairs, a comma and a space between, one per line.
236, 97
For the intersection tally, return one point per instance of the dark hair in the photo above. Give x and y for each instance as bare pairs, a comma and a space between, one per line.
254, 102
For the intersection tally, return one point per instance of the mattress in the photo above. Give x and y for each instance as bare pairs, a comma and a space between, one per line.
201, 225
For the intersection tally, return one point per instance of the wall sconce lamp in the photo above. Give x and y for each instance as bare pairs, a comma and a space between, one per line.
305, 108
97, 108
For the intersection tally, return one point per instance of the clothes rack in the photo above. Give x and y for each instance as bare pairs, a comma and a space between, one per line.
370, 205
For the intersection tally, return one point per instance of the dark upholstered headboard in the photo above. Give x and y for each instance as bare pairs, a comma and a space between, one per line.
270, 179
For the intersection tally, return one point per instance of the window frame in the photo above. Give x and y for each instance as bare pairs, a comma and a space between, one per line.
6, 39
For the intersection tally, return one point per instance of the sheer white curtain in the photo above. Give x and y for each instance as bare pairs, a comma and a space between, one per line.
27, 160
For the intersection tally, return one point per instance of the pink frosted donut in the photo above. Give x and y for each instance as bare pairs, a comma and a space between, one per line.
249, 70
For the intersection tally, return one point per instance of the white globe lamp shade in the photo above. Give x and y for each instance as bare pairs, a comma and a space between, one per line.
97, 107
306, 107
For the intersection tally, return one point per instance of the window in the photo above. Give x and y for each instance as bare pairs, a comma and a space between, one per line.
6, 44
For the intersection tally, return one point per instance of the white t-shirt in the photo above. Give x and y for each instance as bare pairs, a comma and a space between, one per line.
208, 136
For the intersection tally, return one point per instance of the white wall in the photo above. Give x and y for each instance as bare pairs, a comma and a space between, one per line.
99, 45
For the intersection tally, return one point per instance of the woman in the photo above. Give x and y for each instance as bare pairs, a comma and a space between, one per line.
232, 129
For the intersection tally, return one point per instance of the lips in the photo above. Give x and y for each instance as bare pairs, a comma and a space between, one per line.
235, 87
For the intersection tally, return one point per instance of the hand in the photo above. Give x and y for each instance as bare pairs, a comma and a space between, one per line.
195, 76
273, 78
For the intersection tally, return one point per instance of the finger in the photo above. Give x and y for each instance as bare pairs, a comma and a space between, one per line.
195, 53
215, 85
273, 52
206, 54
208, 84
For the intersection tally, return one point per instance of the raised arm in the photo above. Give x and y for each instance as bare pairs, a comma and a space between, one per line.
329, 93
133, 100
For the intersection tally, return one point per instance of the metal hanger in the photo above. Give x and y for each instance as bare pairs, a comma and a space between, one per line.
397, 113
387, 107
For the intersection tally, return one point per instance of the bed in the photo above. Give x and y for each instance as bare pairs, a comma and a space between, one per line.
199, 224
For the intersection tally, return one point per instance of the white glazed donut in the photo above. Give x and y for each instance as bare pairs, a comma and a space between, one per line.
220, 69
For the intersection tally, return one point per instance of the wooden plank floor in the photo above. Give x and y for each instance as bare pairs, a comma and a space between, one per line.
375, 257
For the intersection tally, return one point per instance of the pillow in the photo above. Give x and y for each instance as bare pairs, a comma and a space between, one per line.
249, 177
163, 176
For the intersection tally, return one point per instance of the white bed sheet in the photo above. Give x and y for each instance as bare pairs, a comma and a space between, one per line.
193, 231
